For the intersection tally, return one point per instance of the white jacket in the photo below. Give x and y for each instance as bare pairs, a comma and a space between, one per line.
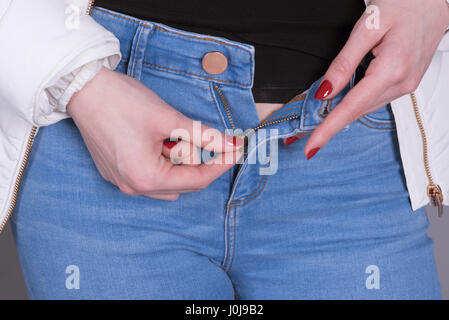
45, 58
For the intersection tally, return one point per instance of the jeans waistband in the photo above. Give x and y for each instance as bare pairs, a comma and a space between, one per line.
156, 41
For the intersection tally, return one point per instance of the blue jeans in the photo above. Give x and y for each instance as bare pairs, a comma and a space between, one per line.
338, 226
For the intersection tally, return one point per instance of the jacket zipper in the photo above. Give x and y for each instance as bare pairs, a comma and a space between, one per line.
19, 177
90, 5
433, 190
27, 156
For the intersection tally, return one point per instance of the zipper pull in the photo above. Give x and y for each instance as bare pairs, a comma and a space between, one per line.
436, 196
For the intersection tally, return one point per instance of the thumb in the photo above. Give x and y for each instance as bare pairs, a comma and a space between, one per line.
204, 136
360, 42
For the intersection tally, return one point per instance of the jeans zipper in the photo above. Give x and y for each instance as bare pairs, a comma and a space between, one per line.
433, 190
30, 141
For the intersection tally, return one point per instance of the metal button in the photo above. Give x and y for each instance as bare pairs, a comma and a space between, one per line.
214, 62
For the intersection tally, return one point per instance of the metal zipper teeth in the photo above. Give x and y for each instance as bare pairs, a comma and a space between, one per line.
225, 106
433, 190
90, 5
265, 124
19, 177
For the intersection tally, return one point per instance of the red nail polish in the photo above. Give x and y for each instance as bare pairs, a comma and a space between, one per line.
312, 153
170, 144
290, 140
324, 90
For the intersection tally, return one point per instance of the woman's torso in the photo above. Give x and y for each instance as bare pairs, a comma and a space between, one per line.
294, 40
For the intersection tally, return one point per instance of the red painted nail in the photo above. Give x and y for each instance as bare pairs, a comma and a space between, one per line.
324, 90
312, 153
170, 144
290, 140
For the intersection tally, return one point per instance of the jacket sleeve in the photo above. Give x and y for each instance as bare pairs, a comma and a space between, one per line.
50, 49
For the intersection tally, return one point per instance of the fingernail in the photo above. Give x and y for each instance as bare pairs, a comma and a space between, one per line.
170, 144
312, 153
290, 140
232, 140
324, 90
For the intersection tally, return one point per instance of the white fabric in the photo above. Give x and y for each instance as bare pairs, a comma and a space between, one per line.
44, 59
43, 63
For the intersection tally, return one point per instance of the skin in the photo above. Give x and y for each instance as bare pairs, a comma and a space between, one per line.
127, 147
403, 47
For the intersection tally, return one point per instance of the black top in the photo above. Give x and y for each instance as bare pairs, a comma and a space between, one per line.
294, 40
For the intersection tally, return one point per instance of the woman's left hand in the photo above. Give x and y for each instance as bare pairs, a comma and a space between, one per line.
403, 41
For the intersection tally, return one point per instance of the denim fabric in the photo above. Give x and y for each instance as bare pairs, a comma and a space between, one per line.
338, 226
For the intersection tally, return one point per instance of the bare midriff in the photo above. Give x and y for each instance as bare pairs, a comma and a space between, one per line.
265, 109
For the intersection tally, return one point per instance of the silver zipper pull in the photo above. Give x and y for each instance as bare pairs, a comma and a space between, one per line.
436, 196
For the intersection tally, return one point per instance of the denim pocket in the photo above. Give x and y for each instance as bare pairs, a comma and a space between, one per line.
380, 119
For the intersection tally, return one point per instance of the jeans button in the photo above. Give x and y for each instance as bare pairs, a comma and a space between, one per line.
214, 62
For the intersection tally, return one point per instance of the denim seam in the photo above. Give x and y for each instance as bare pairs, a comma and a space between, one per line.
227, 237
136, 52
117, 16
282, 117
248, 196
235, 226
280, 111
186, 36
193, 74
255, 196
378, 128
377, 121
171, 31
298, 97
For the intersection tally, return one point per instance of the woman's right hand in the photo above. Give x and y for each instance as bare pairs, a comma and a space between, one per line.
124, 125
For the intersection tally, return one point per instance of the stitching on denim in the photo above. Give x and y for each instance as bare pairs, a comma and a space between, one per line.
235, 228
187, 36
258, 194
136, 52
377, 121
118, 16
300, 96
280, 111
378, 128
199, 38
282, 117
170, 31
250, 195
193, 74
227, 237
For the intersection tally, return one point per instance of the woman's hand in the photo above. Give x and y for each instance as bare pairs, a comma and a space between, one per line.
403, 46
124, 125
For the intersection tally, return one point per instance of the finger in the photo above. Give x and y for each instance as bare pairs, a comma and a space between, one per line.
167, 197
203, 136
359, 43
198, 177
288, 141
352, 107
181, 152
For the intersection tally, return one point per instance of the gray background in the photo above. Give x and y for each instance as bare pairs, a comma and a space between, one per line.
12, 285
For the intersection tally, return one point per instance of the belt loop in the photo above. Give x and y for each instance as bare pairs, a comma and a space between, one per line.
137, 54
